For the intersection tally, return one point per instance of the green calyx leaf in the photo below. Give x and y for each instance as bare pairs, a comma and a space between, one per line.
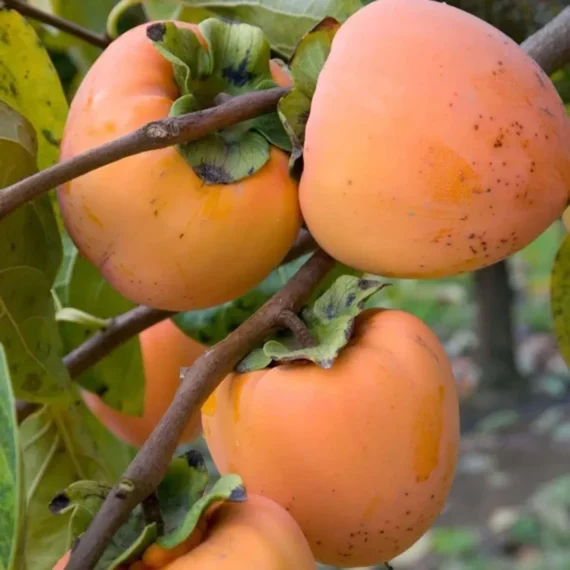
234, 61
182, 499
330, 320
306, 65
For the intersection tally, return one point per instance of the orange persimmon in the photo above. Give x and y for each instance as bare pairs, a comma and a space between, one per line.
157, 232
434, 146
362, 454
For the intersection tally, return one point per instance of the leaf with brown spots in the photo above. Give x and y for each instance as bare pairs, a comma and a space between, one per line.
30, 84
30, 255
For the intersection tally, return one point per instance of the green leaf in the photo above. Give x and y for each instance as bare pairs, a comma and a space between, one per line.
30, 254
10, 470
82, 500
210, 326
236, 61
306, 65
181, 487
71, 315
330, 320
227, 488
560, 298
30, 84
284, 22
119, 377
60, 447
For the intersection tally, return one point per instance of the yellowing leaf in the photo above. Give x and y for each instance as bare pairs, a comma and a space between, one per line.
29, 83
560, 298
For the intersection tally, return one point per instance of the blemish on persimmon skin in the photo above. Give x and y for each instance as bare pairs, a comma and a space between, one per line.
428, 432
92, 216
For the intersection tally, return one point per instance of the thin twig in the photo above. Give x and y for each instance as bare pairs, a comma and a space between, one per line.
154, 135
103, 342
550, 46
97, 40
305, 243
290, 320
151, 463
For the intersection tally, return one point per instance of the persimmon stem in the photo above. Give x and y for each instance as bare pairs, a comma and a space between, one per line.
71, 28
152, 514
25, 409
152, 136
152, 461
289, 320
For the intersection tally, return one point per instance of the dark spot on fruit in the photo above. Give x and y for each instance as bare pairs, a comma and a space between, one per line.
349, 182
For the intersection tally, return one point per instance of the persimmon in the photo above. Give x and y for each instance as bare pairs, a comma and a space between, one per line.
165, 350
159, 233
362, 454
255, 534
434, 146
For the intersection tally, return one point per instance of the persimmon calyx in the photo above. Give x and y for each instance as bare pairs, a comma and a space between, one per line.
330, 322
182, 501
306, 64
234, 61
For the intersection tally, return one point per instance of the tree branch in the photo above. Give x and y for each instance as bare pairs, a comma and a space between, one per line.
152, 461
550, 46
305, 243
103, 342
101, 41
289, 320
154, 135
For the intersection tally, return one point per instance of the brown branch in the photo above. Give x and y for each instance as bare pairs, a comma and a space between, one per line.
305, 243
103, 342
550, 46
154, 135
152, 461
289, 320
101, 41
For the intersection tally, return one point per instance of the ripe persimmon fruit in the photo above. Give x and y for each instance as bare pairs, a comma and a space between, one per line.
257, 533
165, 350
434, 146
157, 232
362, 454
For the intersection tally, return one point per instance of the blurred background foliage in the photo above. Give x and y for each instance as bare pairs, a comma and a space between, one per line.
510, 505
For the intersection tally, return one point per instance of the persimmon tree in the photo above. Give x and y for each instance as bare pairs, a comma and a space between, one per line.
187, 168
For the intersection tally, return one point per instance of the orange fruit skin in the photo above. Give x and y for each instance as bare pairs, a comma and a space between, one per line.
362, 454
255, 534
241, 536
157, 233
435, 146
165, 350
